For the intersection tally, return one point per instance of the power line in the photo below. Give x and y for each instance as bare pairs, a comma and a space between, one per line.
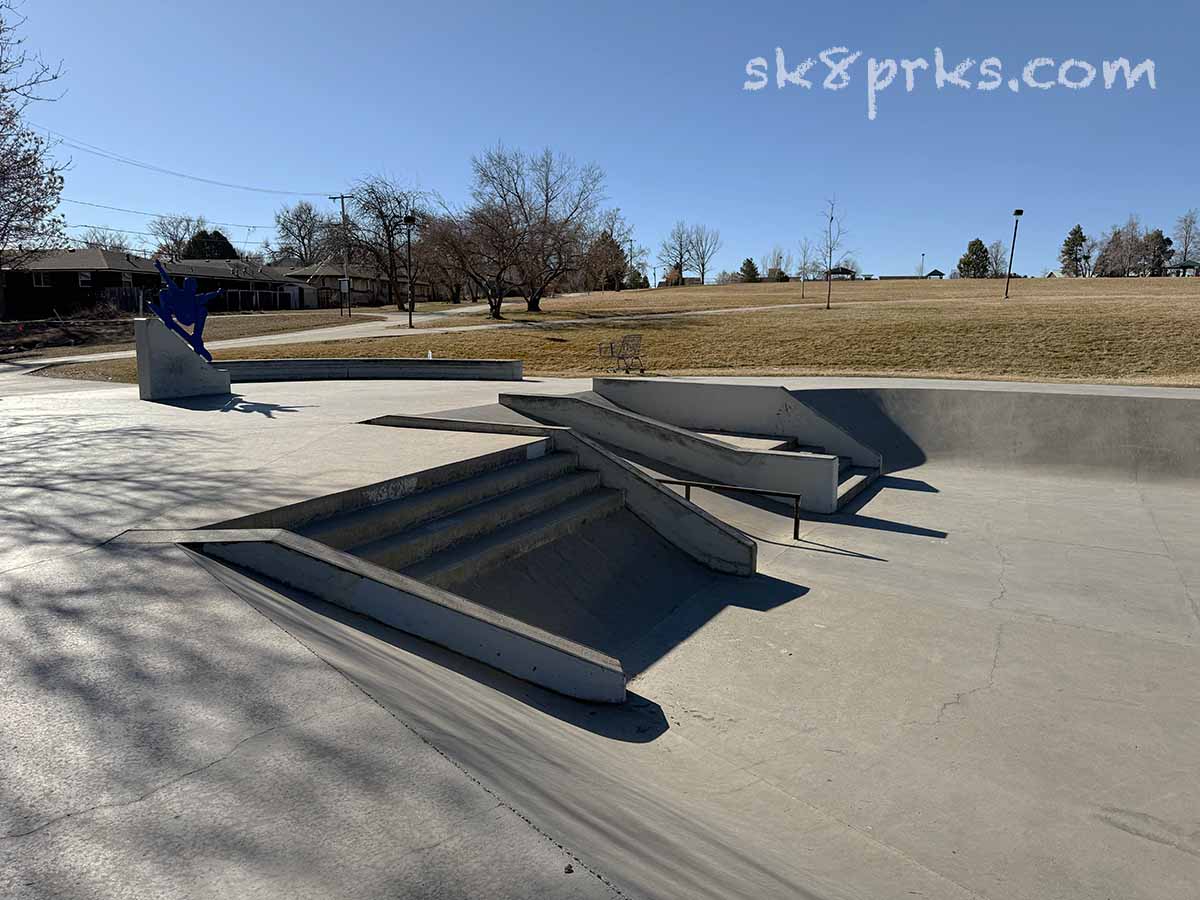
76, 144
146, 233
142, 212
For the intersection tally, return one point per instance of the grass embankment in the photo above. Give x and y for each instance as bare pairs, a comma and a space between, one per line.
71, 337
1135, 331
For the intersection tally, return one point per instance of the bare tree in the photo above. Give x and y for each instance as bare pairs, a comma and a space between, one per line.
997, 259
1087, 257
482, 243
673, 251
30, 181
808, 262
105, 239
304, 233
551, 201
174, 232
1187, 235
830, 244
703, 244
379, 231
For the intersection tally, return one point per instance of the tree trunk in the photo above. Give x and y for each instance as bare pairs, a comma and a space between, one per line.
533, 302
828, 288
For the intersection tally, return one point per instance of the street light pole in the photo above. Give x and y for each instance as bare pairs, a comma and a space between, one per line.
1017, 213
409, 221
922, 272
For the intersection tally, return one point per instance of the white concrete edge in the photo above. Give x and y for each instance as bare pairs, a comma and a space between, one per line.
456, 623
723, 548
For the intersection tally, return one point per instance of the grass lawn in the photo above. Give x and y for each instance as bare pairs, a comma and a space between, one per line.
1106, 334
69, 338
606, 304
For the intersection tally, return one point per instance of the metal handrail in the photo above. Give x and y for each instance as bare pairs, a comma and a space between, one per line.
708, 485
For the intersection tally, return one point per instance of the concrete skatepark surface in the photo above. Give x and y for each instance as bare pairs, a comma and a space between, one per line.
977, 681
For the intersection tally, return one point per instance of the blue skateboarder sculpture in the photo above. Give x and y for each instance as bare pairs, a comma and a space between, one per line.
178, 306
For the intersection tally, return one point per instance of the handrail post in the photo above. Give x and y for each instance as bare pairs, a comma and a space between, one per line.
687, 492
796, 518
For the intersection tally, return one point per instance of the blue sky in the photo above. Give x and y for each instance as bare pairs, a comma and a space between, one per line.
308, 97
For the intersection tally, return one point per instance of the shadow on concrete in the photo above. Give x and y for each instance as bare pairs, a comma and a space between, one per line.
851, 515
854, 410
637, 720
233, 403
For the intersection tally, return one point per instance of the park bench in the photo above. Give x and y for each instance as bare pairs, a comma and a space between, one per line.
623, 352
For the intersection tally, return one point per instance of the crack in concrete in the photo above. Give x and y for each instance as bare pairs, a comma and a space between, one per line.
1193, 600
960, 696
120, 804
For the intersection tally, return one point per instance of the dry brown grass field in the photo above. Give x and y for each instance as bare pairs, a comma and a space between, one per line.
1134, 331
604, 304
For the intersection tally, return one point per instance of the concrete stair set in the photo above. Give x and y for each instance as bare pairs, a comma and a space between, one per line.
447, 533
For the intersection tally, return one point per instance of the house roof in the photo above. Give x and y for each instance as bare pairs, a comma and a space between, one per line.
330, 270
1185, 264
933, 272
842, 270
93, 259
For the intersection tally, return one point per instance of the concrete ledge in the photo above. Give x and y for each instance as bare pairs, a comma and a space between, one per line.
243, 370
700, 535
813, 475
435, 615
737, 409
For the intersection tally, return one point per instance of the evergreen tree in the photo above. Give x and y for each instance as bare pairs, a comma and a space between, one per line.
209, 245
975, 263
1158, 250
1071, 255
749, 271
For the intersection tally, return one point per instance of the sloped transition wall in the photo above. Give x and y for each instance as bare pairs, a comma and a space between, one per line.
1127, 434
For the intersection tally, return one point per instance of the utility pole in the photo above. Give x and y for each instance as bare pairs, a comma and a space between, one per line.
1017, 213
922, 272
345, 282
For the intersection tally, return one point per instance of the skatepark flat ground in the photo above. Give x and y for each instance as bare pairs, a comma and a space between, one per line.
973, 683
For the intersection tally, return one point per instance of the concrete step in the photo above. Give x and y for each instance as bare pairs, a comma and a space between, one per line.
400, 550
369, 523
464, 561
852, 482
750, 441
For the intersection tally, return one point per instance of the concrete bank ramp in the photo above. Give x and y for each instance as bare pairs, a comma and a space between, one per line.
1108, 431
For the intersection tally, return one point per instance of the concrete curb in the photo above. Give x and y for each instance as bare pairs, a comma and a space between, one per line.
352, 369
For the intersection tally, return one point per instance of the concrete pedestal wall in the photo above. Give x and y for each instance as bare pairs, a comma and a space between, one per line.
1123, 433
169, 369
